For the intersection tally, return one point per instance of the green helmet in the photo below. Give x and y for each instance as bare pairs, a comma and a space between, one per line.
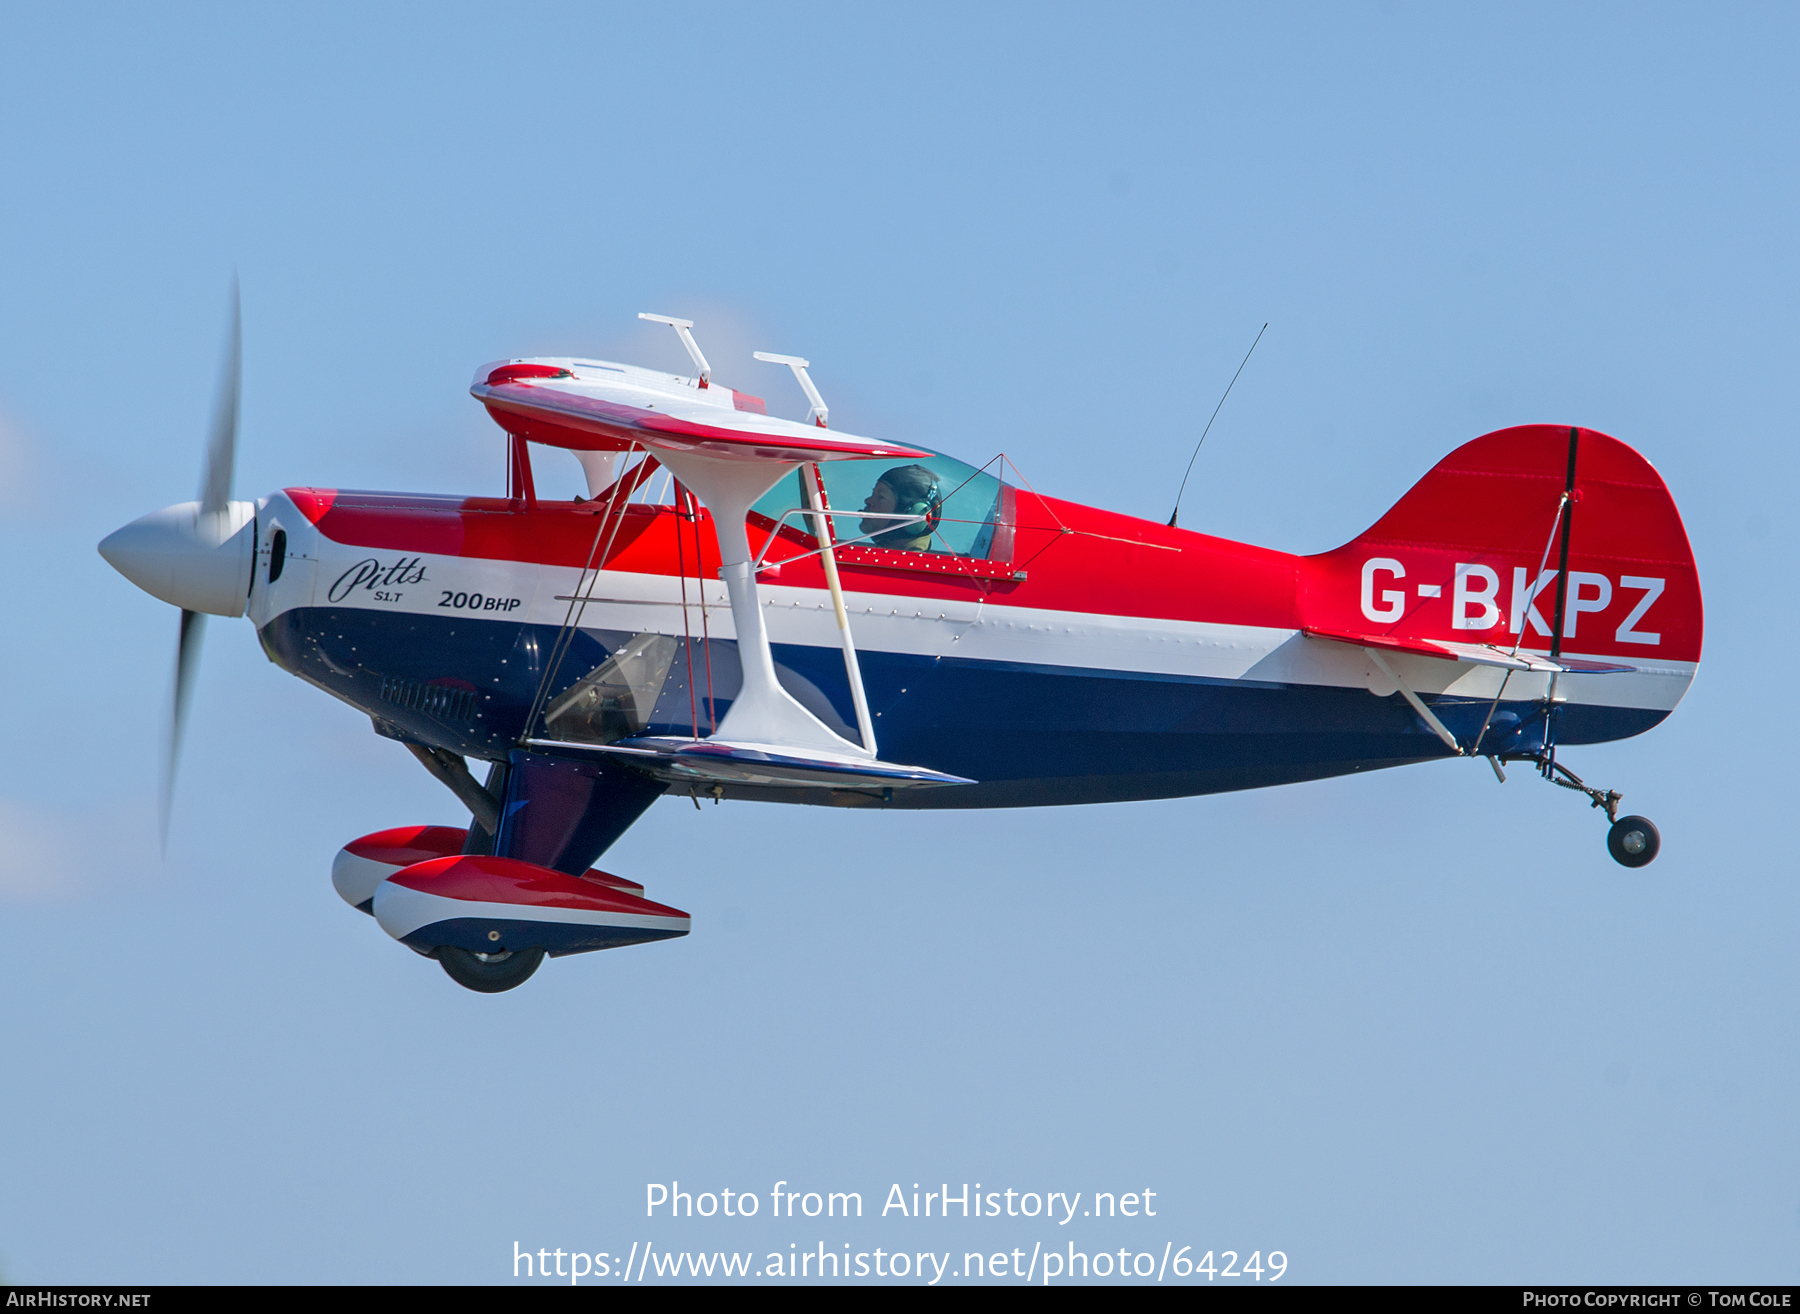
916, 493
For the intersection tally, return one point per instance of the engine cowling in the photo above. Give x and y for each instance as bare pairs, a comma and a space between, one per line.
501, 905
363, 864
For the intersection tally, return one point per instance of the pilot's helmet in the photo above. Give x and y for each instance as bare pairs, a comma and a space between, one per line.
916, 493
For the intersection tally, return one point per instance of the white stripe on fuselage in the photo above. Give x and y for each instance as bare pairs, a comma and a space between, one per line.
401, 910
326, 573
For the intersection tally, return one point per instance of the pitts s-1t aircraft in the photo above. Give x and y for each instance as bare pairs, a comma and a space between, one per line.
688, 627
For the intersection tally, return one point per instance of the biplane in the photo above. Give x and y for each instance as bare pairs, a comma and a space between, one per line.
741, 606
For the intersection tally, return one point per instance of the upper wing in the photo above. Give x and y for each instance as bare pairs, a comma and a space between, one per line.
599, 406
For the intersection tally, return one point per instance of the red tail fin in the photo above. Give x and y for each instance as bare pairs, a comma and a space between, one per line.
1474, 553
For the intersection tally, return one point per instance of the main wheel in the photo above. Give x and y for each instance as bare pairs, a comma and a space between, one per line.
489, 973
1633, 842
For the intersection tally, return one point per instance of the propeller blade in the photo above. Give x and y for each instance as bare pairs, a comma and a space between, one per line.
187, 661
215, 495
221, 449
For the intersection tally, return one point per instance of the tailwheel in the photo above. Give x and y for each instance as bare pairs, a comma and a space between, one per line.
1633, 841
489, 973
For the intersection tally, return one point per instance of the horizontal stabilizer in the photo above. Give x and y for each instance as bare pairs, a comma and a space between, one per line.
1476, 654
726, 762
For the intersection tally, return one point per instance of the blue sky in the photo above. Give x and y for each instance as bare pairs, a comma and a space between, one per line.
1410, 1027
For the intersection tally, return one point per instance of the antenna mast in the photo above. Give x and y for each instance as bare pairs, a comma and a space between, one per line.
1209, 424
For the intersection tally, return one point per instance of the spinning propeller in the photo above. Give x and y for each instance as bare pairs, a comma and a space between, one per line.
197, 556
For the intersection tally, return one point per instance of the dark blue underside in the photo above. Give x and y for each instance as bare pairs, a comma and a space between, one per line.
555, 938
1031, 735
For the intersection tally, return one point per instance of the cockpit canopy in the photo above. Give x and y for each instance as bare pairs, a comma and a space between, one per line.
971, 503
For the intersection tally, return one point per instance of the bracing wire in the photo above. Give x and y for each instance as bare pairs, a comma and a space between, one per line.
584, 587
687, 629
1524, 621
712, 711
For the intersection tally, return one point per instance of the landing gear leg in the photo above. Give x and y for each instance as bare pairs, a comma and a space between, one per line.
1632, 841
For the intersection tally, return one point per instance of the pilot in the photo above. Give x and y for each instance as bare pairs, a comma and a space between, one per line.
909, 490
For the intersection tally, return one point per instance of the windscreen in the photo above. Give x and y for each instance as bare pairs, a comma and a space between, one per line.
966, 502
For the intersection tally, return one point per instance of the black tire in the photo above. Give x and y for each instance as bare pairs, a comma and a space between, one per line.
1633, 842
497, 973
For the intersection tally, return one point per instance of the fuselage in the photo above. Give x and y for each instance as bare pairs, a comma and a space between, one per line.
1087, 656
755, 607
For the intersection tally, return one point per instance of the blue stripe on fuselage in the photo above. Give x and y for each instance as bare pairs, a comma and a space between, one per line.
1029, 734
